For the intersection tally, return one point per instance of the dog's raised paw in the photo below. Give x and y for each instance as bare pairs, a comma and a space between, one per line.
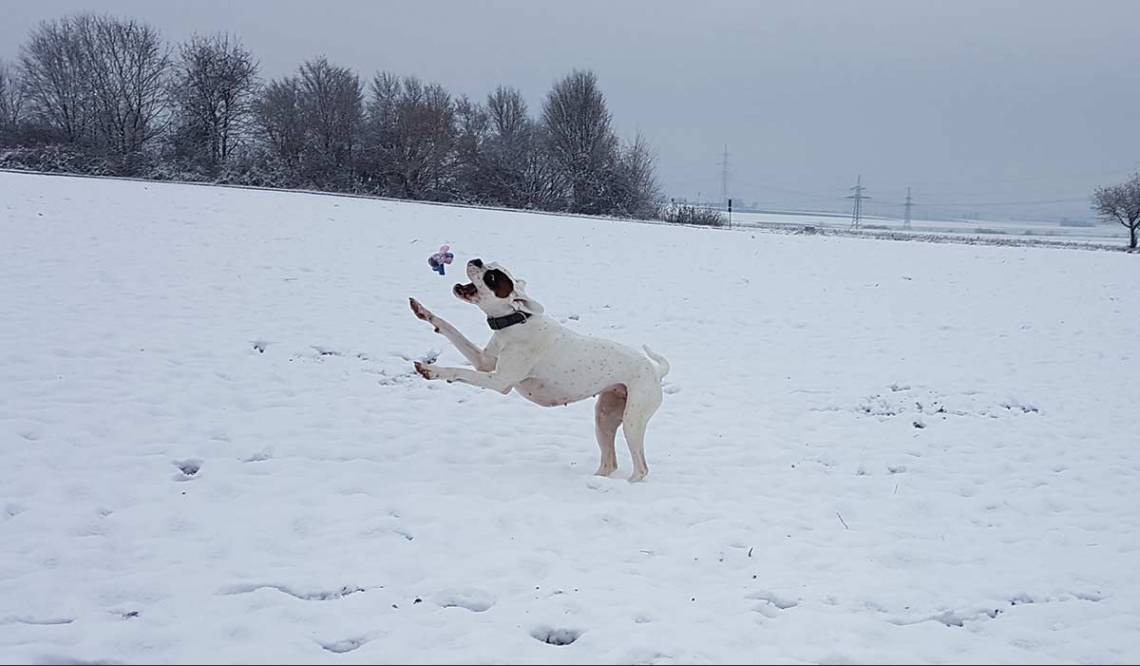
423, 313
419, 310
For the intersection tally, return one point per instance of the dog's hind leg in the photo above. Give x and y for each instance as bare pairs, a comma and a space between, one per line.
640, 405
608, 411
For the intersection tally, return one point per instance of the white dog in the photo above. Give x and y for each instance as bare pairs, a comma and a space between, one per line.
551, 365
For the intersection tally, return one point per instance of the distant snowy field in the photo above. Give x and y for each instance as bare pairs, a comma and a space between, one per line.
992, 231
215, 450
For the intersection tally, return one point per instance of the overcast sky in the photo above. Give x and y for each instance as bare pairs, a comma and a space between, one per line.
989, 103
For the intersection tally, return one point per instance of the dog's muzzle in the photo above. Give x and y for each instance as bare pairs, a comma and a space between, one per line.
465, 291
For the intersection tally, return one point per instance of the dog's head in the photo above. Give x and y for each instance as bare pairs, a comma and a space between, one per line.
495, 290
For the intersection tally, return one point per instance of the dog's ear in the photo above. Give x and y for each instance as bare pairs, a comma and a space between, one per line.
525, 303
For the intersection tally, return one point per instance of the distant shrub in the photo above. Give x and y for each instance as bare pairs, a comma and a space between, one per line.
690, 214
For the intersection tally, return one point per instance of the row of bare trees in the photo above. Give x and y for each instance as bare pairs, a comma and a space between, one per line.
111, 97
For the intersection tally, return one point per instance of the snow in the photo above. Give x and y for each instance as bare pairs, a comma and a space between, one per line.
1102, 235
215, 449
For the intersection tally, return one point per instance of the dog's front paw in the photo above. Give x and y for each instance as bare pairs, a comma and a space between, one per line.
418, 309
426, 371
423, 313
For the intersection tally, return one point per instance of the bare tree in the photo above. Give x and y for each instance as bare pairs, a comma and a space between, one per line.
127, 68
508, 113
581, 141
633, 187
214, 86
332, 107
542, 186
471, 134
1121, 203
11, 101
55, 66
508, 147
280, 119
411, 135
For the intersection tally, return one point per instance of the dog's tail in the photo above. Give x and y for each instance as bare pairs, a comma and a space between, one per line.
662, 364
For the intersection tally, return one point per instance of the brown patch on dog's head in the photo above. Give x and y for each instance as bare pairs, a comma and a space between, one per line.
499, 282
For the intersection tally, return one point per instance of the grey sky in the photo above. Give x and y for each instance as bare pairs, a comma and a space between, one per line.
968, 102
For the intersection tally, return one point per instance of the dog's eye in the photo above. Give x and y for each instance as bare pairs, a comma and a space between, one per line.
490, 277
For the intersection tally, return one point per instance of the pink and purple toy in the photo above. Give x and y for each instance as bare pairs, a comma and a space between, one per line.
438, 260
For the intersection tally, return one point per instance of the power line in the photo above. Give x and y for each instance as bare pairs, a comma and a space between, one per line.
909, 203
859, 197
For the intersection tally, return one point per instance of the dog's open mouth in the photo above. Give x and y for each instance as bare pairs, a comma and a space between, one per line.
465, 291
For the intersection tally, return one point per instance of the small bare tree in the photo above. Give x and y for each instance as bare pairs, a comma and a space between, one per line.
214, 87
1121, 203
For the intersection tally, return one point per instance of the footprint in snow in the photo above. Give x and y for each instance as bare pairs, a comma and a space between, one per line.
473, 600
552, 636
187, 469
344, 645
771, 604
259, 456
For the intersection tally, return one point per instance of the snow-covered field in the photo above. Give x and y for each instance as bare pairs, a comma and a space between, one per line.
215, 449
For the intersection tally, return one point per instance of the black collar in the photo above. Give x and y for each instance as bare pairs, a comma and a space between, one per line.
499, 323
